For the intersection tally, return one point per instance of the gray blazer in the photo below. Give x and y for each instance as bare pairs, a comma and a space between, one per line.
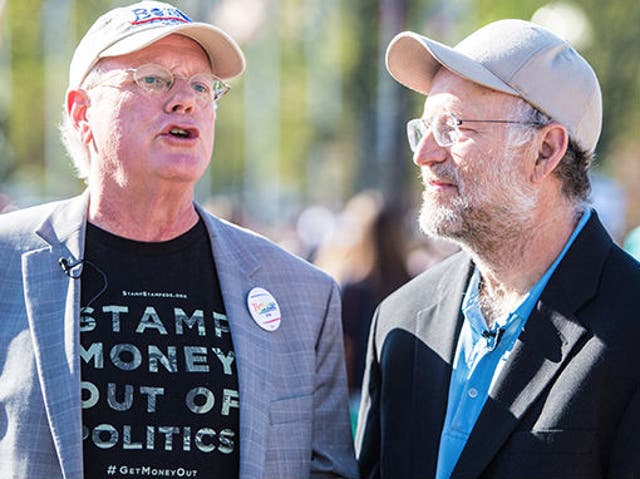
293, 401
566, 404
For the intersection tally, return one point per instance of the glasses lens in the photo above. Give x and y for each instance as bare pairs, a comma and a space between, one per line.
153, 78
208, 87
220, 88
416, 129
203, 84
445, 129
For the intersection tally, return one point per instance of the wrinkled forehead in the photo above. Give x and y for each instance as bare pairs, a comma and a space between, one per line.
451, 92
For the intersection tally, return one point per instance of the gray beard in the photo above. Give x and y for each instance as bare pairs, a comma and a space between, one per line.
486, 222
497, 231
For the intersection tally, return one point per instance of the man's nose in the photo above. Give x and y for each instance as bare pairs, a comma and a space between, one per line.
429, 151
182, 97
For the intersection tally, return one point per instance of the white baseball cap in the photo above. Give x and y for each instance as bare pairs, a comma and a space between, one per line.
128, 29
515, 57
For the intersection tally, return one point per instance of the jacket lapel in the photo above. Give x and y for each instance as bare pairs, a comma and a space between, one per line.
549, 336
440, 334
52, 303
437, 328
237, 269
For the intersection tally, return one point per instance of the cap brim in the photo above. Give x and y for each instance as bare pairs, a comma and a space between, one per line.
227, 60
413, 60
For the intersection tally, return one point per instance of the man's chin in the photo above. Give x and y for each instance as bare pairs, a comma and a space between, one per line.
439, 222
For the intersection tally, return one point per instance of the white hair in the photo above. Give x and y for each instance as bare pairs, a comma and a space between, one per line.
573, 168
519, 134
70, 136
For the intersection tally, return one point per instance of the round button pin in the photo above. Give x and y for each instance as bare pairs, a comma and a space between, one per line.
264, 309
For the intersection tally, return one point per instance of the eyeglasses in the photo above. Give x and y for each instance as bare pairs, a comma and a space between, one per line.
445, 128
154, 79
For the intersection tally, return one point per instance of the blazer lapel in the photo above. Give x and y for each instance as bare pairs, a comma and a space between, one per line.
237, 268
52, 304
437, 328
441, 335
550, 334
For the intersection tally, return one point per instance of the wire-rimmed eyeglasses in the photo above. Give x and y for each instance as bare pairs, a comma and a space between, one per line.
445, 128
153, 78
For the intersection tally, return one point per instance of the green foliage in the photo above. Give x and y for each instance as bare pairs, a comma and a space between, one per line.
25, 127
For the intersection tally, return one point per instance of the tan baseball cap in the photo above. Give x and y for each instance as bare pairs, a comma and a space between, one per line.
515, 57
128, 29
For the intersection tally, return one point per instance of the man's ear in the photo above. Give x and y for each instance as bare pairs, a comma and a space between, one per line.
77, 104
553, 140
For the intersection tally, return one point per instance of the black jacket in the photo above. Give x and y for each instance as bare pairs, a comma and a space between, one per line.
567, 403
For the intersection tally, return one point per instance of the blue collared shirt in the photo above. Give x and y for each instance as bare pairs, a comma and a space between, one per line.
479, 360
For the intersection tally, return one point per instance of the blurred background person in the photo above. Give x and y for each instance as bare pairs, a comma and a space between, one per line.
368, 257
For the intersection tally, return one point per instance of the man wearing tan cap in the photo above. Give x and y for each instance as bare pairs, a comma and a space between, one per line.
142, 337
514, 358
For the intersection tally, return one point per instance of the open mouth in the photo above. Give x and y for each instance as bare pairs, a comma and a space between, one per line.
180, 133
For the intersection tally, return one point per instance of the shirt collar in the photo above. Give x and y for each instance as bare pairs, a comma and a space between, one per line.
471, 305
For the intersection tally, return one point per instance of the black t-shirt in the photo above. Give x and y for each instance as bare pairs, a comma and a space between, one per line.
159, 381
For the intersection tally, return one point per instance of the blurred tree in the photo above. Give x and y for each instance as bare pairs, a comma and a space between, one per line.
361, 87
379, 105
25, 127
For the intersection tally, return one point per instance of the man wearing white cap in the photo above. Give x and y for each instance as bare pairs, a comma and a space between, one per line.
515, 357
141, 336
